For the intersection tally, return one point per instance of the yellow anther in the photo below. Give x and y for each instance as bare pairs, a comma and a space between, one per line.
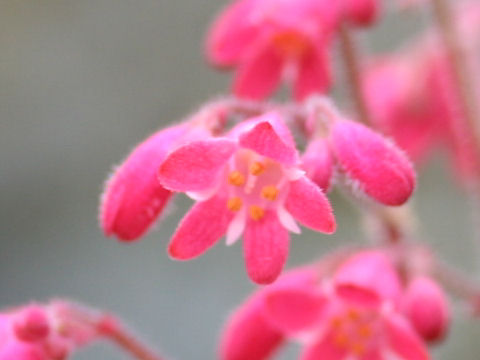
256, 212
257, 168
234, 204
336, 323
357, 349
353, 315
365, 331
236, 178
269, 192
341, 340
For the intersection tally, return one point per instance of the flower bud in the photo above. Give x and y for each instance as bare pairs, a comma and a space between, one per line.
427, 308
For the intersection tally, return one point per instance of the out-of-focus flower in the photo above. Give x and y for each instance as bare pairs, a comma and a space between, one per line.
426, 306
246, 183
271, 40
350, 314
42, 332
133, 198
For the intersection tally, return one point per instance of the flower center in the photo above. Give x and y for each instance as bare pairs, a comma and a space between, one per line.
254, 182
353, 330
290, 44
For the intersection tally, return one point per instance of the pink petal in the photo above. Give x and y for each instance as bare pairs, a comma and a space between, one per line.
201, 228
403, 340
324, 349
362, 12
381, 169
259, 73
318, 163
248, 335
231, 33
427, 308
17, 350
368, 272
313, 73
294, 308
133, 197
195, 166
265, 248
264, 139
307, 203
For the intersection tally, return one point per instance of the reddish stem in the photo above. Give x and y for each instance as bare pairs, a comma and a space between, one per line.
109, 327
353, 72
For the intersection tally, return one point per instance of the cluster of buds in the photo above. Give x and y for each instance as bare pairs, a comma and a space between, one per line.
357, 308
44, 332
251, 180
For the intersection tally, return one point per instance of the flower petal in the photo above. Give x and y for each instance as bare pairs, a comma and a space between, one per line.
381, 168
403, 340
195, 166
266, 244
324, 349
265, 140
294, 308
307, 203
248, 335
368, 272
230, 34
133, 197
200, 229
313, 73
259, 73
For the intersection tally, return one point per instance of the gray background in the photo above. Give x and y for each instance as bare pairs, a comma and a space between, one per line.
81, 82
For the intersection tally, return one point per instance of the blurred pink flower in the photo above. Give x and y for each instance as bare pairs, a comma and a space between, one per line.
42, 332
352, 314
271, 40
246, 183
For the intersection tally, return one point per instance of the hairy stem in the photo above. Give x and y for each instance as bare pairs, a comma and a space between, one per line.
353, 72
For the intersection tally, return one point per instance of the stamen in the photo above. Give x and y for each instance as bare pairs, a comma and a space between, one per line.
341, 340
236, 178
357, 349
353, 315
365, 331
256, 212
257, 168
234, 204
269, 192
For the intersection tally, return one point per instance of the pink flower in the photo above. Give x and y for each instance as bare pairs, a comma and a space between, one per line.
427, 308
248, 183
37, 332
271, 40
350, 315
133, 198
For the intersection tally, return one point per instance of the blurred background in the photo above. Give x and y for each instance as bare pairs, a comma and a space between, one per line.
81, 82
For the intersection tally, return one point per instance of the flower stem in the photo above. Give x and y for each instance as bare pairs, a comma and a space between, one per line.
456, 54
111, 328
353, 72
